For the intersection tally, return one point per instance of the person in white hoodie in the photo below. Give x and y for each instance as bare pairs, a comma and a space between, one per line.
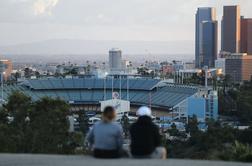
145, 137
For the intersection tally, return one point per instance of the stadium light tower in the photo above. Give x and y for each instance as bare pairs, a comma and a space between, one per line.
112, 85
105, 86
120, 87
127, 88
206, 75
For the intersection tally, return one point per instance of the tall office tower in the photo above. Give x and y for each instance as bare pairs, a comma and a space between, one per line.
5, 68
230, 37
203, 14
115, 59
209, 43
246, 35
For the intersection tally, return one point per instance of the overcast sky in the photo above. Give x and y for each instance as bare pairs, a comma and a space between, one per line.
23, 21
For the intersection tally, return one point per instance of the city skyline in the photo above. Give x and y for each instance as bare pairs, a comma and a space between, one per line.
146, 21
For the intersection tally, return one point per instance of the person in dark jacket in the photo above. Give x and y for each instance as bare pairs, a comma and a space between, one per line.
145, 137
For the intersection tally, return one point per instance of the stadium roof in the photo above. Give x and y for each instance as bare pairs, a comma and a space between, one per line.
90, 83
91, 91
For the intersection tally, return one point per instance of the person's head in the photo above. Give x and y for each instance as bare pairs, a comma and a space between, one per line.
144, 111
109, 114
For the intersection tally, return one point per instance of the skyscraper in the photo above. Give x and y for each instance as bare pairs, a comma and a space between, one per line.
230, 38
209, 42
115, 59
246, 35
6, 68
204, 17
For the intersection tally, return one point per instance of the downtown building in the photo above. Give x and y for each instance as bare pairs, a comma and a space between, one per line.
239, 67
206, 37
231, 25
6, 68
115, 59
236, 41
246, 35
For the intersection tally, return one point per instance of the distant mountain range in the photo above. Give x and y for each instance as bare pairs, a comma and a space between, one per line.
70, 49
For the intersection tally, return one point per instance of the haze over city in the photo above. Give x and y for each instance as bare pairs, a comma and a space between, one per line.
47, 26
169, 80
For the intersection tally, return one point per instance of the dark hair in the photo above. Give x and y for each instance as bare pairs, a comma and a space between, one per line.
109, 113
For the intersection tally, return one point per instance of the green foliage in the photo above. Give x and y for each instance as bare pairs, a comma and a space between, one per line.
83, 121
192, 126
125, 125
49, 126
3, 116
76, 139
196, 79
245, 136
237, 101
241, 152
8, 140
173, 131
19, 106
217, 143
37, 127
244, 103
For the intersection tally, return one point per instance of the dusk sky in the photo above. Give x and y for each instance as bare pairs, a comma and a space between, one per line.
23, 21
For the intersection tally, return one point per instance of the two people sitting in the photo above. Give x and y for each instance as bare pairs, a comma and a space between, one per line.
106, 137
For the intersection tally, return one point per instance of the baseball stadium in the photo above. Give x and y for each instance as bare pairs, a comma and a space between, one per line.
87, 93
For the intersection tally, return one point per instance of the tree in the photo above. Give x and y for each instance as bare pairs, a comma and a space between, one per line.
243, 101
215, 83
3, 116
19, 106
241, 152
192, 126
27, 72
173, 131
83, 122
37, 74
245, 136
125, 125
226, 82
4, 132
16, 76
49, 125
37, 127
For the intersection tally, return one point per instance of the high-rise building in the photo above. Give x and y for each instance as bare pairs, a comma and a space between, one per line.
6, 69
115, 59
203, 15
239, 67
209, 43
246, 35
230, 37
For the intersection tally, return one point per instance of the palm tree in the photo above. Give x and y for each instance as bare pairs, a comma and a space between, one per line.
226, 82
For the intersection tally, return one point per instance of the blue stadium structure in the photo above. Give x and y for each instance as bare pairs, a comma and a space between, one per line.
83, 92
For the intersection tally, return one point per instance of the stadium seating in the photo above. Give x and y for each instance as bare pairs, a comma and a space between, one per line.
91, 90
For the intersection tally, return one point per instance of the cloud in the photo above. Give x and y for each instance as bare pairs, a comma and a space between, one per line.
44, 7
163, 20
